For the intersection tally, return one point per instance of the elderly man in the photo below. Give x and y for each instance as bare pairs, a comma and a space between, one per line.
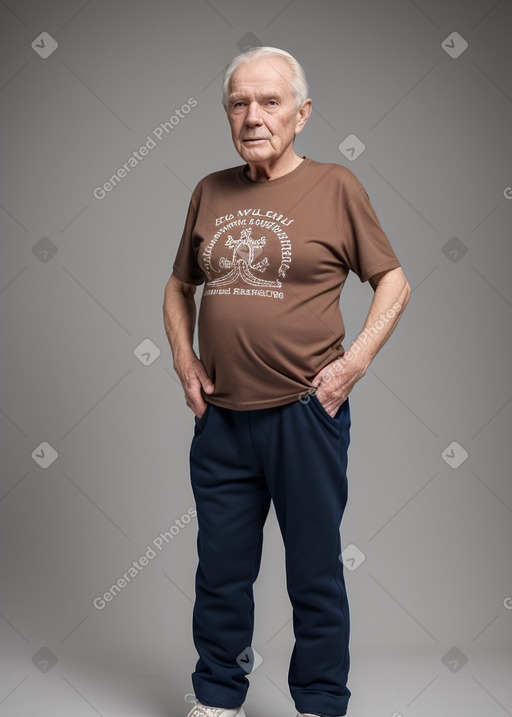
273, 241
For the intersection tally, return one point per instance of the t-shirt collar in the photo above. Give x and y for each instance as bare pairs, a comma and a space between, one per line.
244, 175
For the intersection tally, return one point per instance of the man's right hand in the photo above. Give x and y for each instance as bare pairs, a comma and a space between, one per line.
193, 377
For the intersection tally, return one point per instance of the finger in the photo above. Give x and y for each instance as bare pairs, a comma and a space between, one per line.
194, 397
317, 380
204, 379
197, 404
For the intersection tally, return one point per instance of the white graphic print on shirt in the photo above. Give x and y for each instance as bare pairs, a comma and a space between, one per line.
248, 259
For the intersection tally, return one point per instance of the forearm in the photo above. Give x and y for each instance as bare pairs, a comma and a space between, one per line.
179, 321
388, 303
335, 381
179, 311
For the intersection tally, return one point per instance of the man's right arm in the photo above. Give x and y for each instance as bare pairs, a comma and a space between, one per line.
179, 320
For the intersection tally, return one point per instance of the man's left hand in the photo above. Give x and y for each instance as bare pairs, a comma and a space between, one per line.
336, 380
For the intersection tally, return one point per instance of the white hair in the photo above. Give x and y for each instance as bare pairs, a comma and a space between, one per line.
298, 81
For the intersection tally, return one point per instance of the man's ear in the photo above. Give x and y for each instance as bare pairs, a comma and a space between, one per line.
303, 115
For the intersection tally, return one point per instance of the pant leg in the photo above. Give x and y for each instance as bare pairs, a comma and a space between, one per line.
305, 453
232, 502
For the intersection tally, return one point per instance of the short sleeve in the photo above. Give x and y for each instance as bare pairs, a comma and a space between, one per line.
366, 248
185, 265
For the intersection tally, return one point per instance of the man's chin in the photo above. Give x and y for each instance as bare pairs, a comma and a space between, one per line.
254, 154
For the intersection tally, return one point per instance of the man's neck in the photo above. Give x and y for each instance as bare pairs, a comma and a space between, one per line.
266, 172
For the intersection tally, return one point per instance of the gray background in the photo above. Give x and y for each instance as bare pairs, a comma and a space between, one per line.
436, 580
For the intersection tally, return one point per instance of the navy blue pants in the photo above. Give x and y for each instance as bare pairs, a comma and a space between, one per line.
296, 456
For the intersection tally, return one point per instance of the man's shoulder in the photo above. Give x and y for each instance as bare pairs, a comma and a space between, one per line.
221, 177
336, 172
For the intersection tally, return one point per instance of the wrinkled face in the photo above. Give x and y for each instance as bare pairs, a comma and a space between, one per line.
262, 110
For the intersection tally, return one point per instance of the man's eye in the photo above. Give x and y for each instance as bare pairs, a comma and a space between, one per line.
272, 102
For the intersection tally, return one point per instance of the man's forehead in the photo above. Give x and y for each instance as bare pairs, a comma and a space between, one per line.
263, 89
261, 75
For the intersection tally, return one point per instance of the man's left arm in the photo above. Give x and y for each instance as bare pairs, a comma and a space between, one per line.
336, 380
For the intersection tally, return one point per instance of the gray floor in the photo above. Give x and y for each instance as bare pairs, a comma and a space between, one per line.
387, 685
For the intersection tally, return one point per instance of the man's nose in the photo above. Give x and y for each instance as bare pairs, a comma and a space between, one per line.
253, 117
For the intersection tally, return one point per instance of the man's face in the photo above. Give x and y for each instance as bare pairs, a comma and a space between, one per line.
262, 110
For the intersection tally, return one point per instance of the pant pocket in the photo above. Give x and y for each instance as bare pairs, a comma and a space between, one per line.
200, 423
322, 413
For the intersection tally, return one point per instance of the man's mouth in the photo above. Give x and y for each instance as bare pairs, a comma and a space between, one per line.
255, 139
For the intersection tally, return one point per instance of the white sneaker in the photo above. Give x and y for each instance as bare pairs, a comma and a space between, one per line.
200, 710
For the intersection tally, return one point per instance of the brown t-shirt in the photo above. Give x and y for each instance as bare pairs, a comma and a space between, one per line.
275, 256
